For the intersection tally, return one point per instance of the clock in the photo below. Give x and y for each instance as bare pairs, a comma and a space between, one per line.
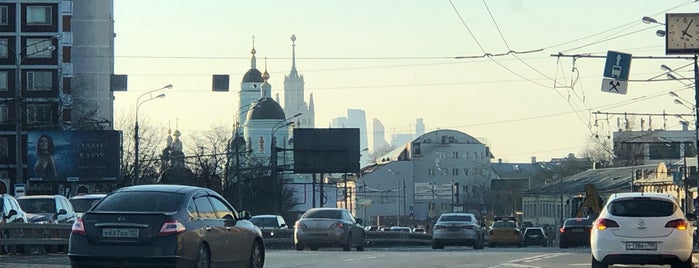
681, 33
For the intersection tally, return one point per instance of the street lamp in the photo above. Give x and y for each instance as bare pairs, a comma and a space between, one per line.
19, 163
136, 138
234, 143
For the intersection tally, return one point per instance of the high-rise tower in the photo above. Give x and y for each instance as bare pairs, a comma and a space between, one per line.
294, 94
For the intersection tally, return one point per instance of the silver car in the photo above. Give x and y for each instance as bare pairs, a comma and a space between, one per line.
329, 227
457, 229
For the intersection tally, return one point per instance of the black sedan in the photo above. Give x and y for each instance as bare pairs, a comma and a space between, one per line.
575, 232
165, 226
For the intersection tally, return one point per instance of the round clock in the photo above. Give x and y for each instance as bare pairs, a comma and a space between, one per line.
681, 33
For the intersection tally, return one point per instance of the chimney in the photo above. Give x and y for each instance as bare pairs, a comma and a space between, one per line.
685, 125
533, 159
499, 160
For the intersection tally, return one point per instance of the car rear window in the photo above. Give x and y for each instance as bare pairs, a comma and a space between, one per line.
141, 202
456, 218
577, 222
265, 222
38, 205
323, 214
641, 207
504, 224
83, 204
536, 231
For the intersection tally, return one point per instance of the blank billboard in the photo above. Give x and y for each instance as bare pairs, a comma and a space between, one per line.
326, 150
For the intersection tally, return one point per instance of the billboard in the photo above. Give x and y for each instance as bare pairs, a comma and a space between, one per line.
326, 150
73, 155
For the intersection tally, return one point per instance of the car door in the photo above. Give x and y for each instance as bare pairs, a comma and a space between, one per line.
212, 228
357, 229
238, 239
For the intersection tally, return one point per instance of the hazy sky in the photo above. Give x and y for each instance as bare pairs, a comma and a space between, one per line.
396, 60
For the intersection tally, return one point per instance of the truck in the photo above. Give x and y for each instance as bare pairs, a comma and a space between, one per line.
591, 205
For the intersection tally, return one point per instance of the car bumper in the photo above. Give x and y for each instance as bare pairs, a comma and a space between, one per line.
320, 237
163, 252
613, 250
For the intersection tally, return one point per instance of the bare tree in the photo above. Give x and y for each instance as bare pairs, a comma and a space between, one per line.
151, 140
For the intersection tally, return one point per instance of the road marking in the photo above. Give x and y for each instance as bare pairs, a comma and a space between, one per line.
361, 259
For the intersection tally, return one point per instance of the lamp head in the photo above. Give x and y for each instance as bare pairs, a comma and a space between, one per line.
660, 33
666, 68
169, 86
673, 94
648, 20
162, 95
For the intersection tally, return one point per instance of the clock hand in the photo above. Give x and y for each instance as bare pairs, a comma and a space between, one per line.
687, 28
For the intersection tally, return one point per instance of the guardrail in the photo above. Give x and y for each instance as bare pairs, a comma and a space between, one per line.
284, 238
33, 238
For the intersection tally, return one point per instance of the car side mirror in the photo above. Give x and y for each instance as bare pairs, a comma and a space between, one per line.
11, 213
359, 221
62, 212
282, 225
244, 215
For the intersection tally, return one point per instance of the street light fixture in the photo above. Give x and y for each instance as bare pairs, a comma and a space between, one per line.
136, 138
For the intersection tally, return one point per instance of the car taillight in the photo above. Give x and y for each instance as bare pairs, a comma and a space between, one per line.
439, 227
337, 225
603, 223
171, 227
680, 224
562, 230
299, 225
78, 227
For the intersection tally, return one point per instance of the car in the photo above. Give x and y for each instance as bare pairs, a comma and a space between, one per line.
82, 203
575, 232
399, 229
454, 229
504, 231
269, 222
642, 228
165, 226
534, 236
329, 227
373, 228
11, 210
418, 230
44, 209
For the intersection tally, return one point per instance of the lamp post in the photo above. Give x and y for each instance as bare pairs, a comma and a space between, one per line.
234, 143
136, 138
19, 163
276, 187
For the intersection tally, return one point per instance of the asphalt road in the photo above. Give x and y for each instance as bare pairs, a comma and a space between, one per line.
418, 257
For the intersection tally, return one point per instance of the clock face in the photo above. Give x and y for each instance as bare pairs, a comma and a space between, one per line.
682, 33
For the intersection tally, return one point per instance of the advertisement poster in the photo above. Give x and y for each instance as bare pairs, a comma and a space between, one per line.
73, 155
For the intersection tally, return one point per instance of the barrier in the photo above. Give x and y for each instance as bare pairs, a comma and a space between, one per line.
33, 238
284, 238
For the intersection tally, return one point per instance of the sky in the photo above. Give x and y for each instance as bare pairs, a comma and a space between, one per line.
409, 59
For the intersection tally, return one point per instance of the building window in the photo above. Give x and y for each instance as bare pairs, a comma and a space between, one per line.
4, 113
39, 48
455, 172
444, 172
465, 171
39, 114
455, 155
4, 148
4, 48
4, 83
430, 172
39, 15
4, 18
39, 81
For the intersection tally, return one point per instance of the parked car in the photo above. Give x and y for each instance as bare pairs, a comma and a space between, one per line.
504, 231
329, 227
418, 230
642, 228
534, 236
374, 228
165, 225
47, 209
457, 229
269, 222
575, 232
11, 210
82, 203
400, 229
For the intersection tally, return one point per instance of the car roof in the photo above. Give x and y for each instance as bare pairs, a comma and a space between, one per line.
457, 214
640, 194
39, 196
534, 228
162, 188
89, 196
314, 209
265, 216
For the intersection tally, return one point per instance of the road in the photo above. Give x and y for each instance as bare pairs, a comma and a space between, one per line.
418, 257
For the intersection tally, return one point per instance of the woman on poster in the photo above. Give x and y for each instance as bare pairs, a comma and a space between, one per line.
45, 166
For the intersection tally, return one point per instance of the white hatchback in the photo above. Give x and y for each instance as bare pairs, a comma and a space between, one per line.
642, 228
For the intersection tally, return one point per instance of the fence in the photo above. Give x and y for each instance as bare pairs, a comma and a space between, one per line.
33, 238
285, 238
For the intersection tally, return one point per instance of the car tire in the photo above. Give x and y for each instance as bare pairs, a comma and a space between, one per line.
203, 259
348, 245
298, 246
257, 255
598, 264
361, 247
478, 245
686, 264
562, 245
313, 248
436, 245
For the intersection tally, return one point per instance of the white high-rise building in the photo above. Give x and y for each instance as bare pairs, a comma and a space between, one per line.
294, 95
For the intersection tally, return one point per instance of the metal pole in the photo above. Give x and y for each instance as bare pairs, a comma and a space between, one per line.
696, 108
19, 165
135, 149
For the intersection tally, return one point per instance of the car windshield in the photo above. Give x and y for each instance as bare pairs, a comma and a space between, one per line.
139, 201
264, 221
642, 207
456, 218
322, 214
577, 222
535, 231
504, 224
83, 204
38, 205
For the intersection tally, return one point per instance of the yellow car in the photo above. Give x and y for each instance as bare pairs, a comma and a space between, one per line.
504, 231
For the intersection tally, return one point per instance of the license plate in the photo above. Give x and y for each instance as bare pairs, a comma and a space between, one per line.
534, 236
641, 246
119, 233
577, 231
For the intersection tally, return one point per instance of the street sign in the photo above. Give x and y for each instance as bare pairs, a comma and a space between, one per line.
616, 72
612, 85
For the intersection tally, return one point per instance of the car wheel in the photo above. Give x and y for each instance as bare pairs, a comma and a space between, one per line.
257, 255
686, 264
348, 245
361, 246
478, 244
298, 246
203, 259
562, 245
436, 245
313, 248
598, 264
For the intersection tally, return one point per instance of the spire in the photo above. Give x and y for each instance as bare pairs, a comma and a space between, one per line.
310, 103
265, 75
293, 55
265, 88
253, 61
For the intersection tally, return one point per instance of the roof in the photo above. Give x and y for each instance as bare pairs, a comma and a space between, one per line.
252, 76
266, 108
516, 170
606, 180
